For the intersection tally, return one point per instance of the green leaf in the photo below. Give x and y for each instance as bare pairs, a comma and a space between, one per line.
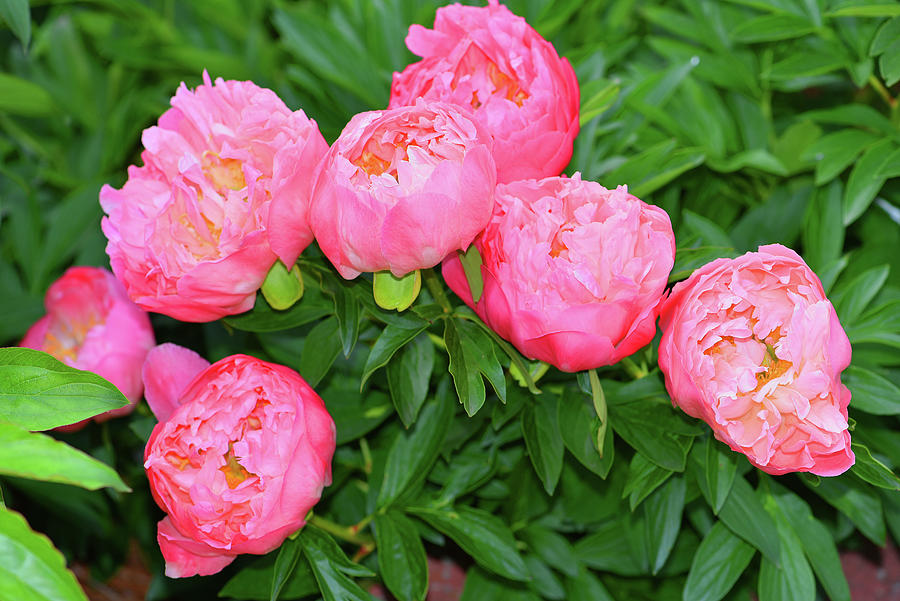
604, 549
855, 8
653, 438
755, 158
471, 356
264, 318
806, 64
284, 567
254, 581
856, 296
889, 63
408, 377
720, 469
391, 339
543, 440
543, 580
329, 565
471, 264
578, 425
31, 569
411, 458
836, 151
480, 534
678, 162
771, 28
817, 542
600, 95
356, 414
864, 182
792, 578
718, 563
662, 523
871, 392
17, 14
857, 501
871, 470
644, 477
401, 557
745, 515
709, 233
854, 115
38, 392
887, 35
823, 230
346, 310
792, 147
320, 350
39, 457
552, 547
481, 586
586, 587
21, 97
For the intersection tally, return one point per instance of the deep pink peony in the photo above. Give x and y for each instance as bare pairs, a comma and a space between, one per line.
492, 61
240, 456
402, 188
224, 190
91, 324
573, 273
752, 347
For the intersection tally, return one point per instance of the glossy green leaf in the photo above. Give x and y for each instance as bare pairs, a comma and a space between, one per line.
408, 377
543, 440
401, 557
745, 515
835, 152
873, 471
852, 299
354, 413
39, 457
864, 182
471, 264
17, 15
31, 569
552, 547
854, 8
857, 501
391, 339
889, 64
480, 534
578, 425
471, 357
320, 350
604, 550
481, 585
543, 580
586, 587
871, 392
599, 96
330, 566
254, 581
792, 578
720, 560
651, 437
823, 229
38, 392
265, 319
662, 520
411, 457
285, 563
708, 231
771, 28
644, 477
22, 97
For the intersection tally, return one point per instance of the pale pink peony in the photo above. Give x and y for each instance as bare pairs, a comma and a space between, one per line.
573, 273
752, 347
224, 190
240, 456
402, 188
91, 324
492, 61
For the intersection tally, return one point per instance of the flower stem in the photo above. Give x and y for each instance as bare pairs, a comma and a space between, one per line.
342, 532
632, 368
599, 407
436, 290
882, 91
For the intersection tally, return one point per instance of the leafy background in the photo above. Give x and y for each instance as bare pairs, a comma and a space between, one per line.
749, 121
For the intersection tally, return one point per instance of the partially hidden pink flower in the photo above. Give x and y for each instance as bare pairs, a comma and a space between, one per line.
492, 61
573, 273
241, 454
223, 191
752, 347
402, 188
91, 324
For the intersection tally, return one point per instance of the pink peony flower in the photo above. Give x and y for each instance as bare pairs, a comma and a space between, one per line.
224, 190
240, 456
91, 324
402, 188
573, 273
492, 61
752, 347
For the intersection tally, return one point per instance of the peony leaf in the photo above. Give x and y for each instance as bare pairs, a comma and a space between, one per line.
543, 441
39, 392
720, 560
408, 378
401, 557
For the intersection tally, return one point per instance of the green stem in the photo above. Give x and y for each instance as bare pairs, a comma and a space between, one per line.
367, 455
599, 407
437, 290
342, 532
632, 368
882, 91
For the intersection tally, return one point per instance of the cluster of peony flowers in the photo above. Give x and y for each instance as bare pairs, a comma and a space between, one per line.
466, 158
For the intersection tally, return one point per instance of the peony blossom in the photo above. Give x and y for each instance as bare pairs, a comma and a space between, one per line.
91, 324
224, 190
240, 455
573, 273
752, 347
402, 188
490, 60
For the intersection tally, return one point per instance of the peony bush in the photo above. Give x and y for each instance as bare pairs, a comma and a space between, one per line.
666, 370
